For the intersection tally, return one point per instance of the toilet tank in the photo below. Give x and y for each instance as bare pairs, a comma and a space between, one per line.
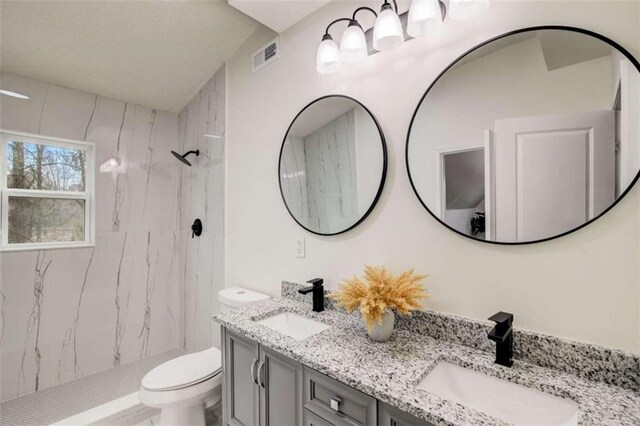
237, 297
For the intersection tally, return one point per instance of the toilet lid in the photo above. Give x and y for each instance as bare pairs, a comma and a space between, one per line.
184, 371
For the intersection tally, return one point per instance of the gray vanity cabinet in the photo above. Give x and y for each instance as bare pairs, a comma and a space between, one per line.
391, 416
264, 388
337, 403
241, 394
310, 419
280, 389
261, 387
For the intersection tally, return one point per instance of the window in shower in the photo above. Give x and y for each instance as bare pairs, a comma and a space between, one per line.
47, 191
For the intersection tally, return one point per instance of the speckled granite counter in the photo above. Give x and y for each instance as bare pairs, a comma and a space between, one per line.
390, 371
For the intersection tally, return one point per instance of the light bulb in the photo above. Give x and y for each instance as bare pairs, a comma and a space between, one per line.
467, 9
328, 56
353, 46
425, 17
110, 165
387, 31
13, 94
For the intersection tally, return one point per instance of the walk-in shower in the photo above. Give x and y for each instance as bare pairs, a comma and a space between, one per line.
183, 157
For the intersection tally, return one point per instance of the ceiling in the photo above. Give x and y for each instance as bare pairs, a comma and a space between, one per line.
278, 14
154, 53
559, 48
319, 115
563, 49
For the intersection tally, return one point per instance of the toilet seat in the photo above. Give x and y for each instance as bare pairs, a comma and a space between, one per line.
184, 371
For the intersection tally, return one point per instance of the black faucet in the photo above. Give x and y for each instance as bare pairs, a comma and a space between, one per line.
318, 293
502, 334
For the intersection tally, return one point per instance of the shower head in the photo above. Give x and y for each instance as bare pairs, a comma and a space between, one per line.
183, 157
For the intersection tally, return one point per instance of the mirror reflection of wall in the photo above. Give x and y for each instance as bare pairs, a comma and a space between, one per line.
331, 164
554, 115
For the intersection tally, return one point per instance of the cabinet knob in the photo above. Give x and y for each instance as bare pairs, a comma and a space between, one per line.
335, 404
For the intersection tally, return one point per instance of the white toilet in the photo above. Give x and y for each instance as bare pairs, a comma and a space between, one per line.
183, 387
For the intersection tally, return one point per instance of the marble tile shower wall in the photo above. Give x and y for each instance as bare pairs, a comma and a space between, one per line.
332, 188
68, 313
320, 186
202, 126
293, 178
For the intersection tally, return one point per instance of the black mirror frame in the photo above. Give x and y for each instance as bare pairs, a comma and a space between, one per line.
382, 177
598, 36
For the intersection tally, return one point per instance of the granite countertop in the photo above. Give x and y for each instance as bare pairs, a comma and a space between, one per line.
390, 371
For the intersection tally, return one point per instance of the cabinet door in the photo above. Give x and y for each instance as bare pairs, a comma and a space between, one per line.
241, 393
281, 389
391, 416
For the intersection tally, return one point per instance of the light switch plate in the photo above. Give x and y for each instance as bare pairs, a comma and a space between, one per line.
300, 250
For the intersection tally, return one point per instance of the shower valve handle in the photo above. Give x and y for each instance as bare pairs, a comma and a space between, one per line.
196, 228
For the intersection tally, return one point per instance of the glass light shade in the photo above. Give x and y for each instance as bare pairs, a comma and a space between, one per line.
387, 31
425, 17
467, 9
353, 46
328, 57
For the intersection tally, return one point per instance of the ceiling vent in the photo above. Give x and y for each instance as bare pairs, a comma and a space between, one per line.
265, 55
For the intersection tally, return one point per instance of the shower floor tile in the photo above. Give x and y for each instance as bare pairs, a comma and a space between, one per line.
213, 417
67, 399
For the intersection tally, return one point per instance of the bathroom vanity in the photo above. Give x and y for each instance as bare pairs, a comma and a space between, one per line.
267, 388
338, 376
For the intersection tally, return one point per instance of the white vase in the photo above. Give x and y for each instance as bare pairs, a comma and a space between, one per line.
381, 332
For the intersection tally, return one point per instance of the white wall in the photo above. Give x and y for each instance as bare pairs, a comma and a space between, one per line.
583, 286
369, 159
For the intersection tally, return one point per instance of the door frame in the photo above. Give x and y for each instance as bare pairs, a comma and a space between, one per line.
441, 193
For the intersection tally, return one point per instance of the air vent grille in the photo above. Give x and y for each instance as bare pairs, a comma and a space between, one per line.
264, 56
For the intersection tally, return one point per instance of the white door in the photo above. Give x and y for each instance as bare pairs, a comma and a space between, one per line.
552, 173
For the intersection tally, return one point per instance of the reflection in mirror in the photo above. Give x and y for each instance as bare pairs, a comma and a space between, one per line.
332, 165
528, 137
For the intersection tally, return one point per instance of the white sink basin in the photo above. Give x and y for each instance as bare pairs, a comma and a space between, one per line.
498, 398
293, 325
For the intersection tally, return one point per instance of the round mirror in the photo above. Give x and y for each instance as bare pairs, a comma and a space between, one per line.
333, 163
528, 136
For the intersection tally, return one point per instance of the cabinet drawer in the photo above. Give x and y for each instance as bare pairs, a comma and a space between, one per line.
310, 419
335, 402
391, 416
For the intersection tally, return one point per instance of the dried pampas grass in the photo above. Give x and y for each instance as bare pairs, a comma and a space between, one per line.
379, 290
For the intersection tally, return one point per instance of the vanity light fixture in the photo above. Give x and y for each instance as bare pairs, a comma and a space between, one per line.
353, 46
328, 56
387, 31
423, 18
13, 94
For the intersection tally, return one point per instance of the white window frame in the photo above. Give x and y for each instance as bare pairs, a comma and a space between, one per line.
88, 195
